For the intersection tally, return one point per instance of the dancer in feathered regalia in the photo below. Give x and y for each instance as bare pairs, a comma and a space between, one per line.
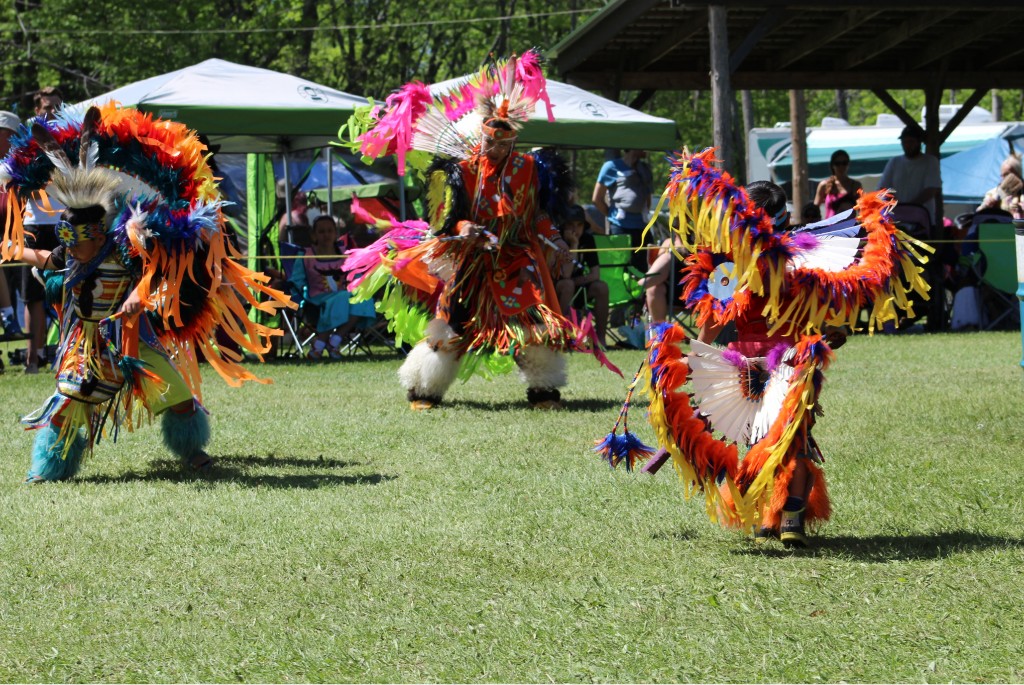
477, 268
790, 294
148, 279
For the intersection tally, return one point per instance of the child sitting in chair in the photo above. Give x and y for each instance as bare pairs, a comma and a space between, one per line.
582, 271
319, 281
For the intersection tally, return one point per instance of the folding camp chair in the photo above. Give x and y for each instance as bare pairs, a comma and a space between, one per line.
614, 256
365, 337
998, 272
292, 318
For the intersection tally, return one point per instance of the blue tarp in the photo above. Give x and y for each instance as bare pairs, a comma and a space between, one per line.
968, 175
233, 167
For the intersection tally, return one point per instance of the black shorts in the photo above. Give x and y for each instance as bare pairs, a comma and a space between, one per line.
37, 238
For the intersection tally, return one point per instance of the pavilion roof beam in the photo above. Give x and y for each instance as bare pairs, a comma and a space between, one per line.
893, 37
768, 22
847, 23
1003, 56
811, 80
603, 32
954, 40
895, 107
677, 35
642, 98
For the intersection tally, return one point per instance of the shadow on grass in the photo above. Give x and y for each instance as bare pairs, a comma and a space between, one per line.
236, 469
274, 460
884, 548
360, 358
568, 404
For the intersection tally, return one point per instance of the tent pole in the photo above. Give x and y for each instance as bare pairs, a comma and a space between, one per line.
330, 181
287, 194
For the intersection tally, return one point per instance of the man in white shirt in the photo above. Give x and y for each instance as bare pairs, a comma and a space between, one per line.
914, 176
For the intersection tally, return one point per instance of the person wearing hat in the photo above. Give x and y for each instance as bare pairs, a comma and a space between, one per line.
9, 123
914, 176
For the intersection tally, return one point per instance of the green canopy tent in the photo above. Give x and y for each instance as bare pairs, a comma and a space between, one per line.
585, 120
242, 108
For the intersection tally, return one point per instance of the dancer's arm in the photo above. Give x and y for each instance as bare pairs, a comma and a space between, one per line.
708, 332
38, 258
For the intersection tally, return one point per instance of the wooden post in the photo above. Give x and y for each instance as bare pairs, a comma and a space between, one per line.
798, 133
721, 87
933, 142
747, 109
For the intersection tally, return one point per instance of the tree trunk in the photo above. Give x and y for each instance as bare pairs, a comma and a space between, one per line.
842, 109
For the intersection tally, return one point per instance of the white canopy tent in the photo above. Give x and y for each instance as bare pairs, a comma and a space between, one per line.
585, 120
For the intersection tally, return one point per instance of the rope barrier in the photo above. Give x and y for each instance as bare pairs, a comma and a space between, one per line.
648, 248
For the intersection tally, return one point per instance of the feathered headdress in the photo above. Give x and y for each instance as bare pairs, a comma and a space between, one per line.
87, 191
161, 208
449, 123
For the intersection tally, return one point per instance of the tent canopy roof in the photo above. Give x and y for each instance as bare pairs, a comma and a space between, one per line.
242, 108
585, 120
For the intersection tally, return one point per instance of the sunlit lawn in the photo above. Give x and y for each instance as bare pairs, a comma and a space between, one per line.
345, 538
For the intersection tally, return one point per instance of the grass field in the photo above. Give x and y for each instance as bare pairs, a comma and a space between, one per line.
344, 538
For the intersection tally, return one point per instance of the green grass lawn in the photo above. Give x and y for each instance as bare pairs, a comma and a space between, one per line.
345, 538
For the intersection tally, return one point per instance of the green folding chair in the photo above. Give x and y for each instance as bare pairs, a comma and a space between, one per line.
614, 256
624, 293
999, 278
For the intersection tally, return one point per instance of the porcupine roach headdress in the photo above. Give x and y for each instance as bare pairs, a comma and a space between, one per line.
449, 123
162, 207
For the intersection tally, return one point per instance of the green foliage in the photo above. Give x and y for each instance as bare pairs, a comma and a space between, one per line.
360, 46
343, 538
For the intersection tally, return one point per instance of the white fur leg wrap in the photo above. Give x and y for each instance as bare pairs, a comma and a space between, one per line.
542, 368
432, 364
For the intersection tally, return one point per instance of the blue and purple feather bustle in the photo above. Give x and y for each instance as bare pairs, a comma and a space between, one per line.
626, 448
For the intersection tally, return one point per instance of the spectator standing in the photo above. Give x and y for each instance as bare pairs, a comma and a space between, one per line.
914, 176
40, 221
9, 123
294, 227
623, 195
838, 192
